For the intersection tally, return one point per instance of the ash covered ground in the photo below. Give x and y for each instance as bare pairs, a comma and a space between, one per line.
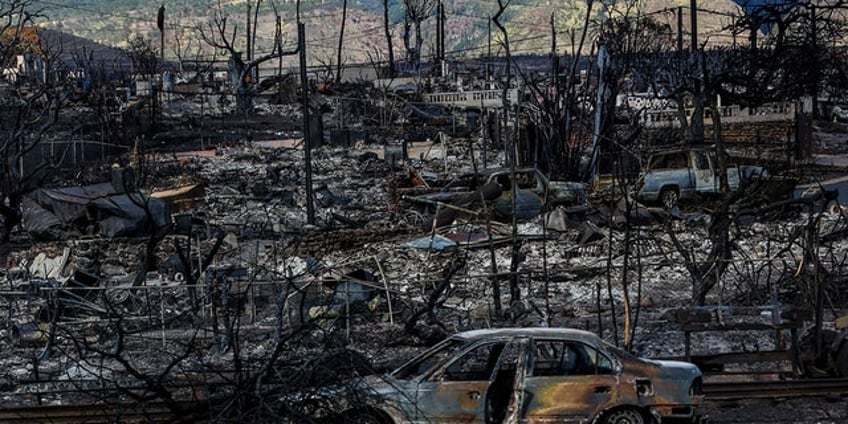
243, 285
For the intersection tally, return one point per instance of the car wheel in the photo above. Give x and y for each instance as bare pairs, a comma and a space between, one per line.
669, 197
624, 416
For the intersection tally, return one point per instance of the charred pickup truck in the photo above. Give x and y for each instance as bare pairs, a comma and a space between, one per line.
673, 175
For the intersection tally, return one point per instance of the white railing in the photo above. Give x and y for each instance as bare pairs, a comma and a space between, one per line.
772, 112
481, 98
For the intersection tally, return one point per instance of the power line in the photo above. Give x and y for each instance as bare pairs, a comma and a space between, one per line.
95, 11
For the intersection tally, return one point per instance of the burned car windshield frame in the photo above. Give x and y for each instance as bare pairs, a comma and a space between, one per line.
428, 361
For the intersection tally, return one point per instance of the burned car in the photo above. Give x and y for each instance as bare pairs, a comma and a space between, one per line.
467, 194
528, 375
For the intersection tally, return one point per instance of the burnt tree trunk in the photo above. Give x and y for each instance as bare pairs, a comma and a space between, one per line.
341, 40
391, 68
711, 272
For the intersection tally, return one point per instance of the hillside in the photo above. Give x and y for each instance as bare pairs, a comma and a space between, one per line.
528, 23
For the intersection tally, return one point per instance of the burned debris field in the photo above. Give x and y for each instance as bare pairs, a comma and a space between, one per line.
623, 232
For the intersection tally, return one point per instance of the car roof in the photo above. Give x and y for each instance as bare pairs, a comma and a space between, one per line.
538, 332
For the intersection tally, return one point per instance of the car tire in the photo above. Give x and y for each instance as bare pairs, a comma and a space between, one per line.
624, 416
669, 197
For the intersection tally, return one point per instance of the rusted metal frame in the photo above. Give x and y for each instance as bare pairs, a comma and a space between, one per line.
360, 281
438, 203
739, 357
699, 319
383, 287
79, 301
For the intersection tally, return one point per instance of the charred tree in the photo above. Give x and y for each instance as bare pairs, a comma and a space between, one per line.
34, 106
437, 297
221, 35
341, 41
417, 11
195, 65
387, 31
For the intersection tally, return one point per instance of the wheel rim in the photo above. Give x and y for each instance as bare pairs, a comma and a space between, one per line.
669, 198
625, 416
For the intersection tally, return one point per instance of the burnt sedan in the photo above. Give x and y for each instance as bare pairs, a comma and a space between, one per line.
527, 375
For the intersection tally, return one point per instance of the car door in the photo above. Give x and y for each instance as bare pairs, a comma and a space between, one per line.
705, 174
506, 391
520, 357
457, 392
568, 382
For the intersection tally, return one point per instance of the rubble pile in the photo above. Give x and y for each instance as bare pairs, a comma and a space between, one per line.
242, 271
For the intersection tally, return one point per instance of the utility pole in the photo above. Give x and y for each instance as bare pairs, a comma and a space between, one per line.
247, 34
599, 110
157, 99
554, 57
341, 41
489, 60
557, 93
253, 38
160, 22
679, 29
440, 37
815, 42
698, 133
307, 145
442, 31
694, 7
280, 63
439, 30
